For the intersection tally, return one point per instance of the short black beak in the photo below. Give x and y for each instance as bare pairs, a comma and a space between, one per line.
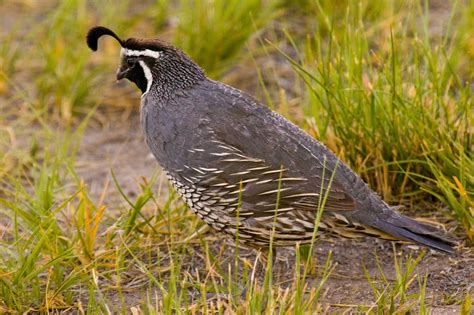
122, 73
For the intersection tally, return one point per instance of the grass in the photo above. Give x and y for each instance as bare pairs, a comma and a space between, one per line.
404, 107
375, 83
214, 32
63, 82
392, 296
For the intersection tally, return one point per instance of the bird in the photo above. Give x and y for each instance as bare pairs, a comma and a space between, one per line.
244, 169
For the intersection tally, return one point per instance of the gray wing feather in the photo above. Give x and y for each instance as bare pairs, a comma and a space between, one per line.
254, 146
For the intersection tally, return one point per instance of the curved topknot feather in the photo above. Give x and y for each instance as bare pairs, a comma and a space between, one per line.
96, 32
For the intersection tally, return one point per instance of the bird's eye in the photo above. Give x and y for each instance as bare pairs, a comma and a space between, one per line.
131, 62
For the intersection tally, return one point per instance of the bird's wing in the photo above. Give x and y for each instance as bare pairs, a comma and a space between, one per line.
250, 159
229, 177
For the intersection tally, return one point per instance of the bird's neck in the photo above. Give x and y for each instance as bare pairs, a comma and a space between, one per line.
176, 76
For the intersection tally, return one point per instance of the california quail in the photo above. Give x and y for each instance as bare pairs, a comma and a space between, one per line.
240, 166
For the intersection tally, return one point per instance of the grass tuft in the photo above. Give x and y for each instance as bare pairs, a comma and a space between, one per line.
392, 296
402, 105
214, 32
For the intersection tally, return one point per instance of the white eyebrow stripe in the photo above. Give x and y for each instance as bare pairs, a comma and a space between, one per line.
148, 76
137, 53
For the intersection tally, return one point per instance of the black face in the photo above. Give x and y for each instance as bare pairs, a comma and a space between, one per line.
133, 71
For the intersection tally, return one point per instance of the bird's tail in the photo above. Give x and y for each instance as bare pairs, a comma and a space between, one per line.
404, 228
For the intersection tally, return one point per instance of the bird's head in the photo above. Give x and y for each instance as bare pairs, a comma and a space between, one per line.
150, 63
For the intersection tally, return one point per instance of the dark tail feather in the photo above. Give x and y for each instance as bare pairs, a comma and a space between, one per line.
408, 229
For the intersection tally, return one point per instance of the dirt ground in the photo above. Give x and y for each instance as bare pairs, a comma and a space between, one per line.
119, 145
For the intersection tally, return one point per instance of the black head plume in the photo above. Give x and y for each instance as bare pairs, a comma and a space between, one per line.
96, 32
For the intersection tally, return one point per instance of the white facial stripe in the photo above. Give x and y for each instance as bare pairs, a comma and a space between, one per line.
148, 76
138, 53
